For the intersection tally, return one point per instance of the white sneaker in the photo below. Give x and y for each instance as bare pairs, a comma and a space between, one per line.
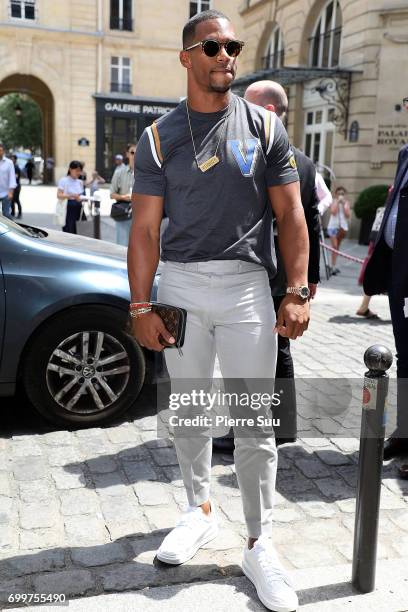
193, 530
262, 566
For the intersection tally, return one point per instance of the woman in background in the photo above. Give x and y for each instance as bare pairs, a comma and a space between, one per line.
71, 188
337, 227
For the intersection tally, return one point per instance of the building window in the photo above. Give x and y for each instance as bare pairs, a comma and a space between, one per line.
325, 42
274, 54
22, 9
120, 75
198, 6
121, 15
319, 138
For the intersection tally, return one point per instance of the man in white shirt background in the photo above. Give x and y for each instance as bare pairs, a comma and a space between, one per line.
7, 182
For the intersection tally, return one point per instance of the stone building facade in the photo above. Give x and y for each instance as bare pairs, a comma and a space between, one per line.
103, 69
99, 69
344, 64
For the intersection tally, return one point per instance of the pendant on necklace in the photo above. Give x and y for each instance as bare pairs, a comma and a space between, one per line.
212, 161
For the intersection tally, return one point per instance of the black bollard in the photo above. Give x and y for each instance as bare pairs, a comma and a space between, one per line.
378, 360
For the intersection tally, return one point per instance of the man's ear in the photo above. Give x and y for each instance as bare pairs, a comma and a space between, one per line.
271, 107
185, 59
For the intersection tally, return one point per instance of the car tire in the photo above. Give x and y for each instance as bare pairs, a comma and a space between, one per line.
82, 368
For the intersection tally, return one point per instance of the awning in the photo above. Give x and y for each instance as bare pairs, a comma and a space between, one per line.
290, 75
334, 86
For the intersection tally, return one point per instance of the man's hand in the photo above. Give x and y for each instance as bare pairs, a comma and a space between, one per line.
312, 289
10, 194
147, 329
293, 317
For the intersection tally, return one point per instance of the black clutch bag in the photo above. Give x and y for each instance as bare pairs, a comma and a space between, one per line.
174, 319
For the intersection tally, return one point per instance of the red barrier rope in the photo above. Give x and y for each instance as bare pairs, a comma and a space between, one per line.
350, 257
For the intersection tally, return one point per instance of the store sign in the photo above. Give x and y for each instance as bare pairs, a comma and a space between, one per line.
145, 109
392, 136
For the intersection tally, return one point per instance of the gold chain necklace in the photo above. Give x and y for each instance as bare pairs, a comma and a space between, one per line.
212, 161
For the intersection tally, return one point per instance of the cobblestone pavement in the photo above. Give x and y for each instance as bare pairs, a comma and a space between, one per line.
82, 512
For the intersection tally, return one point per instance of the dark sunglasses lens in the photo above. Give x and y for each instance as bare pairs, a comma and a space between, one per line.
233, 48
211, 48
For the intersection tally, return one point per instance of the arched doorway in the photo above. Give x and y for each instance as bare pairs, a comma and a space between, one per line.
41, 94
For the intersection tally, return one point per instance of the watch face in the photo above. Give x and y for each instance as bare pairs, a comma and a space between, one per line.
304, 292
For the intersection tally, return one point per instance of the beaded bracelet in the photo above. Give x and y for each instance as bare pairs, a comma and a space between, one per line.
137, 305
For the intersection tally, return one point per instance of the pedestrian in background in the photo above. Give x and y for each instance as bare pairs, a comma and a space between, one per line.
71, 188
337, 227
121, 191
16, 195
29, 168
272, 96
364, 310
387, 272
118, 159
95, 181
7, 182
49, 170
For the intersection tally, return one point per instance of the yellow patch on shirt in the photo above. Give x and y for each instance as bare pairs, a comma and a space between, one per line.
292, 162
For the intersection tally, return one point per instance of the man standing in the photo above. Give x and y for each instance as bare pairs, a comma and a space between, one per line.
7, 183
272, 96
121, 190
16, 194
387, 272
214, 164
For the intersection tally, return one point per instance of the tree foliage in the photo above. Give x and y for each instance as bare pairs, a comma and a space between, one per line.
24, 131
369, 200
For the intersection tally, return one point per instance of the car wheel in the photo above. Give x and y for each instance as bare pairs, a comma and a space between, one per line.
83, 368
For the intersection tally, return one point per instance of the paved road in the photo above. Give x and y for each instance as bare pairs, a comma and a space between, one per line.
82, 512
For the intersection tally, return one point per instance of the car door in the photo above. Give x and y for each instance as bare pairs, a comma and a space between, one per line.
2, 313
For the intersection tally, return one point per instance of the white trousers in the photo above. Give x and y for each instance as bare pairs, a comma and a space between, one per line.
230, 314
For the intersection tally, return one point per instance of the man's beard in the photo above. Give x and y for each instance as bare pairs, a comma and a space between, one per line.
219, 88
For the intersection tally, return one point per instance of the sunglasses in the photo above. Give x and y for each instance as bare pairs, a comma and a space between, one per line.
212, 47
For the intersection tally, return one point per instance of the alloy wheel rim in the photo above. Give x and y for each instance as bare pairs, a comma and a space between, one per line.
88, 372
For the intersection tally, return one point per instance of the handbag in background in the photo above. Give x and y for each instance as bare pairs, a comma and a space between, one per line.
61, 212
121, 211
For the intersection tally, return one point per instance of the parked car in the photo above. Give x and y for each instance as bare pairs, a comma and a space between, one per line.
63, 307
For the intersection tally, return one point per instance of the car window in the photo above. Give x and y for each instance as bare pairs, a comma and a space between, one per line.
7, 224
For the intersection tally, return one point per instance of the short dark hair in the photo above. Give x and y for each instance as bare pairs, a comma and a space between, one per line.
74, 165
190, 27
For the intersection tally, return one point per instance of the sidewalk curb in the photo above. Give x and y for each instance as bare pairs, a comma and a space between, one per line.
320, 589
